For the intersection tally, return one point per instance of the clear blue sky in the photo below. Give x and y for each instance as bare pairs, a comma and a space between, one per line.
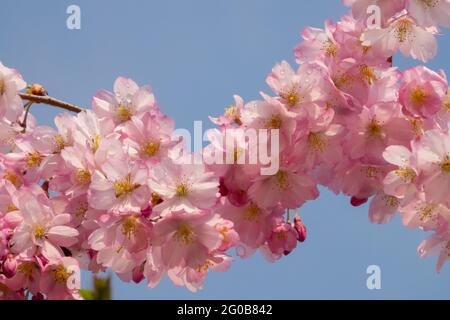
196, 54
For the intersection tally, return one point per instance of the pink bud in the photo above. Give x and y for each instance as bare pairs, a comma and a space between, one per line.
356, 202
38, 296
300, 228
10, 267
146, 213
138, 274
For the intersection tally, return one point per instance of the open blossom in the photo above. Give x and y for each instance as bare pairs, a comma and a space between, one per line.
61, 280
120, 186
297, 90
400, 182
121, 242
433, 157
374, 129
186, 187
405, 35
437, 244
422, 91
186, 239
149, 137
318, 44
430, 13
127, 100
283, 239
11, 82
41, 229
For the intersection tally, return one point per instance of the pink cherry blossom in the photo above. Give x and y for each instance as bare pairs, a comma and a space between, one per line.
422, 91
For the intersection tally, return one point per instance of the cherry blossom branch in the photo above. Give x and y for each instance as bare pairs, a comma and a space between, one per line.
51, 101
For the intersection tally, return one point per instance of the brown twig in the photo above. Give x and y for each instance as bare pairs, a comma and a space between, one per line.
51, 101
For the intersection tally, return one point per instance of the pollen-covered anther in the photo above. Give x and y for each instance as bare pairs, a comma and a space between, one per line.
151, 148
252, 212
374, 129
123, 112
60, 274
129, 226
39, 232
83, 176
125, 187
274, 122
317, 141
445, 165
34, 159
406, 173
184, 234
418, 96
282, 180
368, 74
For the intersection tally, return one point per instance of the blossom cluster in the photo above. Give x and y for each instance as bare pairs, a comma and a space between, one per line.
111, 188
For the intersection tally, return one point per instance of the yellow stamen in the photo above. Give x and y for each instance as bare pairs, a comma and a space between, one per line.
81, 211
83, 176
95, 143
205, 267
282, 180
274, 122
317, 142
59, 142
365, 49
391, 201
416, 124
182, 190
406, 173
184, 234
403, 29
445, 165
426, 212
27, 268
374, 129
60, 275
11, 177
125, 187
418, 96
156, 199
368, 74
342, 80
429, 3
330, 48
123, 113
372, 172
34, 159
2, 86
151, 148
233, 113
39, 232
252, 213
129, 226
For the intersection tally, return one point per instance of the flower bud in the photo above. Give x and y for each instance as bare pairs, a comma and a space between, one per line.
356, 202
10, 266
138, 274
300, 228
37, 90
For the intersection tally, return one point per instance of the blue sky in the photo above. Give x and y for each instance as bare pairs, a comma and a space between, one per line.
196, 54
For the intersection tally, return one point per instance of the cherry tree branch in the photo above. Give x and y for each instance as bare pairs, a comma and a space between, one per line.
51, 102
